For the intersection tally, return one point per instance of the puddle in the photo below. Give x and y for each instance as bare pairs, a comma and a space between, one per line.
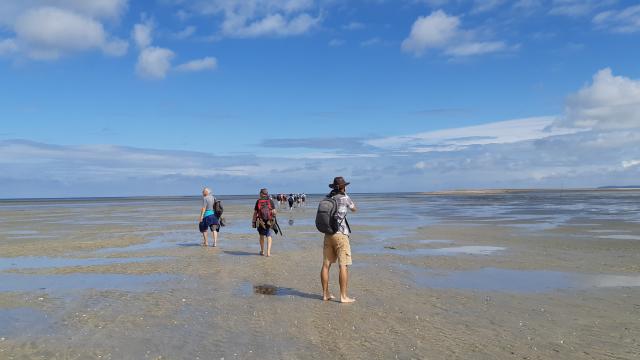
41, 262
21, 232
246, 289
507, 280
449, 251
607, 281
620, 237
535, 226
163, 241
435, 241
265, 289
22, 321
27, 282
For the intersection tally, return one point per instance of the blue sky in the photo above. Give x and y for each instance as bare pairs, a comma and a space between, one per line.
160, 97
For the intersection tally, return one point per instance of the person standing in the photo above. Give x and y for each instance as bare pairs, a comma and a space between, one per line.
336, 245
264, 219
208, 218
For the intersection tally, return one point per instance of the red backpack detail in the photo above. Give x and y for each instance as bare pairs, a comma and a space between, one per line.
265, 210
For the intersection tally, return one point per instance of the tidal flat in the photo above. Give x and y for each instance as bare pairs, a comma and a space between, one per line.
522, 275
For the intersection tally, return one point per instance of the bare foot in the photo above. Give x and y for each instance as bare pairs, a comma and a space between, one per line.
327, 298
204, 244
268, 255
347, 300
214, 245
261, 253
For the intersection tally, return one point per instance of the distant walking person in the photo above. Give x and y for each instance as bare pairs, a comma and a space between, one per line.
264, 219
208, 218
331, 219
290, 201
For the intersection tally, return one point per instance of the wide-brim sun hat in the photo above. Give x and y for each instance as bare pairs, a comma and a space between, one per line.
338, 181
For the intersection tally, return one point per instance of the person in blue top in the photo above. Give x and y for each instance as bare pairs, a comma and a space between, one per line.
208, 218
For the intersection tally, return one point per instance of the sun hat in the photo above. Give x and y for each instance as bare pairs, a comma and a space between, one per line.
338, 181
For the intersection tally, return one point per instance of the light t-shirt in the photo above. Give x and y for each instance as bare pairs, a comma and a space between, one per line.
207, 203
344, 204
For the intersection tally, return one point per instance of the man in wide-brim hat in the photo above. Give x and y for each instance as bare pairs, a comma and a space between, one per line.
336, 246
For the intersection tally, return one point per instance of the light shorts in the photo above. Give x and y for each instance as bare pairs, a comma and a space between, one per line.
337, 247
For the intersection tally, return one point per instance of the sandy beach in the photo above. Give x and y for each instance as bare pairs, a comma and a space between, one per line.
517, 275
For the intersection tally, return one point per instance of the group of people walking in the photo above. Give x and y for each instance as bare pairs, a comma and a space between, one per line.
331, 220
293, 200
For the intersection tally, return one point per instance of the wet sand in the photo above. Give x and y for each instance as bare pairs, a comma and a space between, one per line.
497, 276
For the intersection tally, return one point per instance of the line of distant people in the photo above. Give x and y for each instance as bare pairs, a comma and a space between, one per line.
293, 200
331, 219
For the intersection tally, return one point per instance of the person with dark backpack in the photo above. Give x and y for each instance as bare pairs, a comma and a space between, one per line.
208, 217
264, 219
331, 219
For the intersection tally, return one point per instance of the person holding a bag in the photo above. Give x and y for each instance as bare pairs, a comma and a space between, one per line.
264, 219
208, 218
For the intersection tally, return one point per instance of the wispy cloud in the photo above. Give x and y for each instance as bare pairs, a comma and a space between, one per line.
501, 132
626, 20
258, 18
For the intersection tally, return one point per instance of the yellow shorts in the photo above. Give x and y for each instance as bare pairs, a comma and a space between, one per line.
337, 247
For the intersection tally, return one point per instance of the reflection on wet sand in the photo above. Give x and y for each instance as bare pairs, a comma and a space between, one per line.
493, 276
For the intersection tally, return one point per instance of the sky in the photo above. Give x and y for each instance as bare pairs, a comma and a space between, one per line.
162, 97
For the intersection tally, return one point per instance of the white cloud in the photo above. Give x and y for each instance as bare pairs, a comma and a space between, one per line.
630, 163
10, 10
49, 29
142, 34
8, 46
577, 8
439, 31
371, 42
530, 152
272, 25
48, 33
354, 25
207, 63
480, 6
154, 62
336, 42
258, 18
622, 21
502, 132
433, 31
609, 102
185, 33
476, 48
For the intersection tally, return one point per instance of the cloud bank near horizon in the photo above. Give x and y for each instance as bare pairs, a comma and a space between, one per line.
593, 143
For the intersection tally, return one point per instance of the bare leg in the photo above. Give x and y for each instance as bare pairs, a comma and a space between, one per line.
205, 241
268, 245
324, 280
344, 280
261, 244
215, 238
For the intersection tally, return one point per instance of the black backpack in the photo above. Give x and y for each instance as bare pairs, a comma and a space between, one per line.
218, 209
326, 220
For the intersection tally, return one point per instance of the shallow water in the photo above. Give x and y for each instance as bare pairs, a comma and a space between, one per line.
164, 293
493, 279
22, 320
72, 282
40, 262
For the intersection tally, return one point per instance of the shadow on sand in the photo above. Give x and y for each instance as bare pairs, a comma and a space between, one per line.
189, 244
282, 291
240, 253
